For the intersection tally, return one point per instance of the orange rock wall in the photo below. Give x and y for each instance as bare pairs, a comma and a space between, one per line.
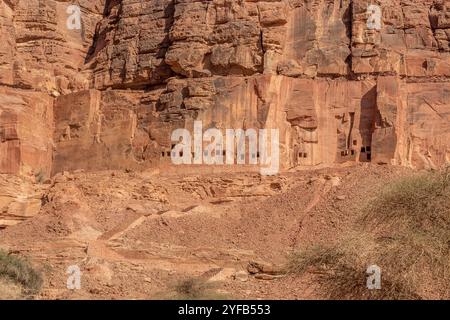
337, 90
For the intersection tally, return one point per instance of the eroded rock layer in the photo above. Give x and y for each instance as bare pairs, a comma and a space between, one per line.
108, 95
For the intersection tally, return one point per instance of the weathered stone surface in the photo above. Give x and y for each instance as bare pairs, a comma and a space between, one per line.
39, 54
131, 42
427, 126
412, 125
337, 89
20, 199
102, 130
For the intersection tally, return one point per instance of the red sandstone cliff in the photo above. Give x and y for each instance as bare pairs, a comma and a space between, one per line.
108, 95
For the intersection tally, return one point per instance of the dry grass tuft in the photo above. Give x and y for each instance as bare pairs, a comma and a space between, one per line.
405, 230
196, 289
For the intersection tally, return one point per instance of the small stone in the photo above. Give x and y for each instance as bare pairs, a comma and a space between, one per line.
266, 277
241, 276
335, 181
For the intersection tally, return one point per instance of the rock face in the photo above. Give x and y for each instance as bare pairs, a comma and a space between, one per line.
19, 200
342, 80
40, 59
26, 129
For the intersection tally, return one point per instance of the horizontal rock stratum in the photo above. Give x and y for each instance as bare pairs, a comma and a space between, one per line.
108, 95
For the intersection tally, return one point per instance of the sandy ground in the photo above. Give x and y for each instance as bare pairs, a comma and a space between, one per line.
136, 235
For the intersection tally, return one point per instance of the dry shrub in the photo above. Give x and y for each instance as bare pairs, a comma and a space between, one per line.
19, 272
196, 289
405, 230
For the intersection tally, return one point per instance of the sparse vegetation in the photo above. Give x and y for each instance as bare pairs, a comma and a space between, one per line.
18, 272
40, 176
404, 229
196, 289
